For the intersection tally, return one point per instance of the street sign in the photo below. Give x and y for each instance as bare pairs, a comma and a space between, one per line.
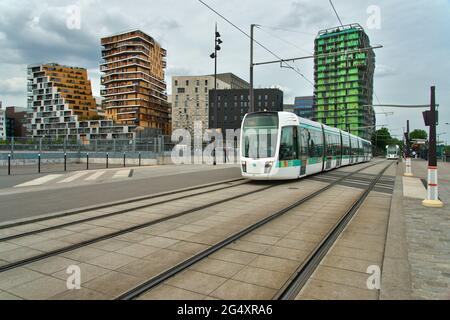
427, 117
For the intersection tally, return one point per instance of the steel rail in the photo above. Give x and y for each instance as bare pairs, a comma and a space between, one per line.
153, 282
106, 215
294, 285
114, 234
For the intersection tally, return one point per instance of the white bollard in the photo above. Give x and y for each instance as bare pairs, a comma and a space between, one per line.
408, 169
432, 199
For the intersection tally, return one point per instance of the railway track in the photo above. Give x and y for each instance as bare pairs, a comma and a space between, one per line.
138, 206
111, 235
304, 272
118, 203
173, 271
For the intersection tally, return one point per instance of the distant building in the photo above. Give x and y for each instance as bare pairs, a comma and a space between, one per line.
190, 98
61, 105
288, 107
16, 122
303, 107
344, 68
2, 123
133, 80
233, 104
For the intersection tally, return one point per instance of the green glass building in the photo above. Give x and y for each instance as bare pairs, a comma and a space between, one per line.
343, 74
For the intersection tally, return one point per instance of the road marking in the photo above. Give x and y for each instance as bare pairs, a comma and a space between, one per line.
39, 181
73, 177
95, 176
121, 174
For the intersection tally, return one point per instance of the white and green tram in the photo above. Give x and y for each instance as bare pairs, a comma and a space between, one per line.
281, 145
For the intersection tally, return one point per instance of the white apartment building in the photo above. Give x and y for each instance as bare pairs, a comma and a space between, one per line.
2, 123
190, 96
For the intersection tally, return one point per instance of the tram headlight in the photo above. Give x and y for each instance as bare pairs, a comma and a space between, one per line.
268, 166
244, 166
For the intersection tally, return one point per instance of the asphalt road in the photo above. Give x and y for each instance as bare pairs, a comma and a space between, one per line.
26, 204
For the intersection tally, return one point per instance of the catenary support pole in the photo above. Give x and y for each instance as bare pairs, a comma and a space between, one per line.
432, 199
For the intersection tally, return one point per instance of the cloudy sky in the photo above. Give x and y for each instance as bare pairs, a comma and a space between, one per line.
415, 36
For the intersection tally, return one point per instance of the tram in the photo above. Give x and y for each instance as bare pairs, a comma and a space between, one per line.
282, 146
392, 152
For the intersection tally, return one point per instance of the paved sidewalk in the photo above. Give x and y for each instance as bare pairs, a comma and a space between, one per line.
428, 235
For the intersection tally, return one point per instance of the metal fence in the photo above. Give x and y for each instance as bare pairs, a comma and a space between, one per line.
156, 144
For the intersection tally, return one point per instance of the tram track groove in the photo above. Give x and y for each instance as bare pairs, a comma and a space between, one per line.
169, 273
301, 276
45, 255
118, 203
111, 214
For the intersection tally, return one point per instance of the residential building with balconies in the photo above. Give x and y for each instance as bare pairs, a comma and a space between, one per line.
134, 89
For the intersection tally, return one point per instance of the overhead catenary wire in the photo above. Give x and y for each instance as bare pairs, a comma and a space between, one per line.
254, 40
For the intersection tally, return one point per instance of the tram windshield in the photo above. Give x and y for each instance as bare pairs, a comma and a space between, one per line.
260, 134
392, 149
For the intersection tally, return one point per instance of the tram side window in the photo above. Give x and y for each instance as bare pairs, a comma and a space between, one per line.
315, 144
288, 144
302, 141
329, 144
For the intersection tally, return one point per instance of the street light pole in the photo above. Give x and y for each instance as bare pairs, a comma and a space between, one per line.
215, 78
252, 98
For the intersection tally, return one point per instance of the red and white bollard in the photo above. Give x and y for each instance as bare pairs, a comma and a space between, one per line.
408, 167
432, 199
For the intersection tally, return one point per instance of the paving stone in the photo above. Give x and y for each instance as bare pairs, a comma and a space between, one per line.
160, 242
16, 277
262, 277
218, 267
7, 296
84, 254
111, 260
236, 290
188, 247
234, 256
324, 290
39, 289
195, 281
87, 272
113, 284
275, 264
79, 294
51, 265
247, 246
138, 250
167, 292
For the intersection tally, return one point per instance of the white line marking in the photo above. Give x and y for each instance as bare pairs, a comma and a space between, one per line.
39, 181
95, 176
73, 177
122, 174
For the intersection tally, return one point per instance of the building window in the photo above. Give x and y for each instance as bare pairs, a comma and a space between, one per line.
196, 89
180, 90
176, 82
206, 82
187, 83
198, 82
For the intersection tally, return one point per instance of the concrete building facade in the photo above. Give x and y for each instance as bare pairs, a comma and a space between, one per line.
133, 83
190, 98
233, 104
16, 121
61, 105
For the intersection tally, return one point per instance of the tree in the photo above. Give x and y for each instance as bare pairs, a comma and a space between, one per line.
380, 139
418, 134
